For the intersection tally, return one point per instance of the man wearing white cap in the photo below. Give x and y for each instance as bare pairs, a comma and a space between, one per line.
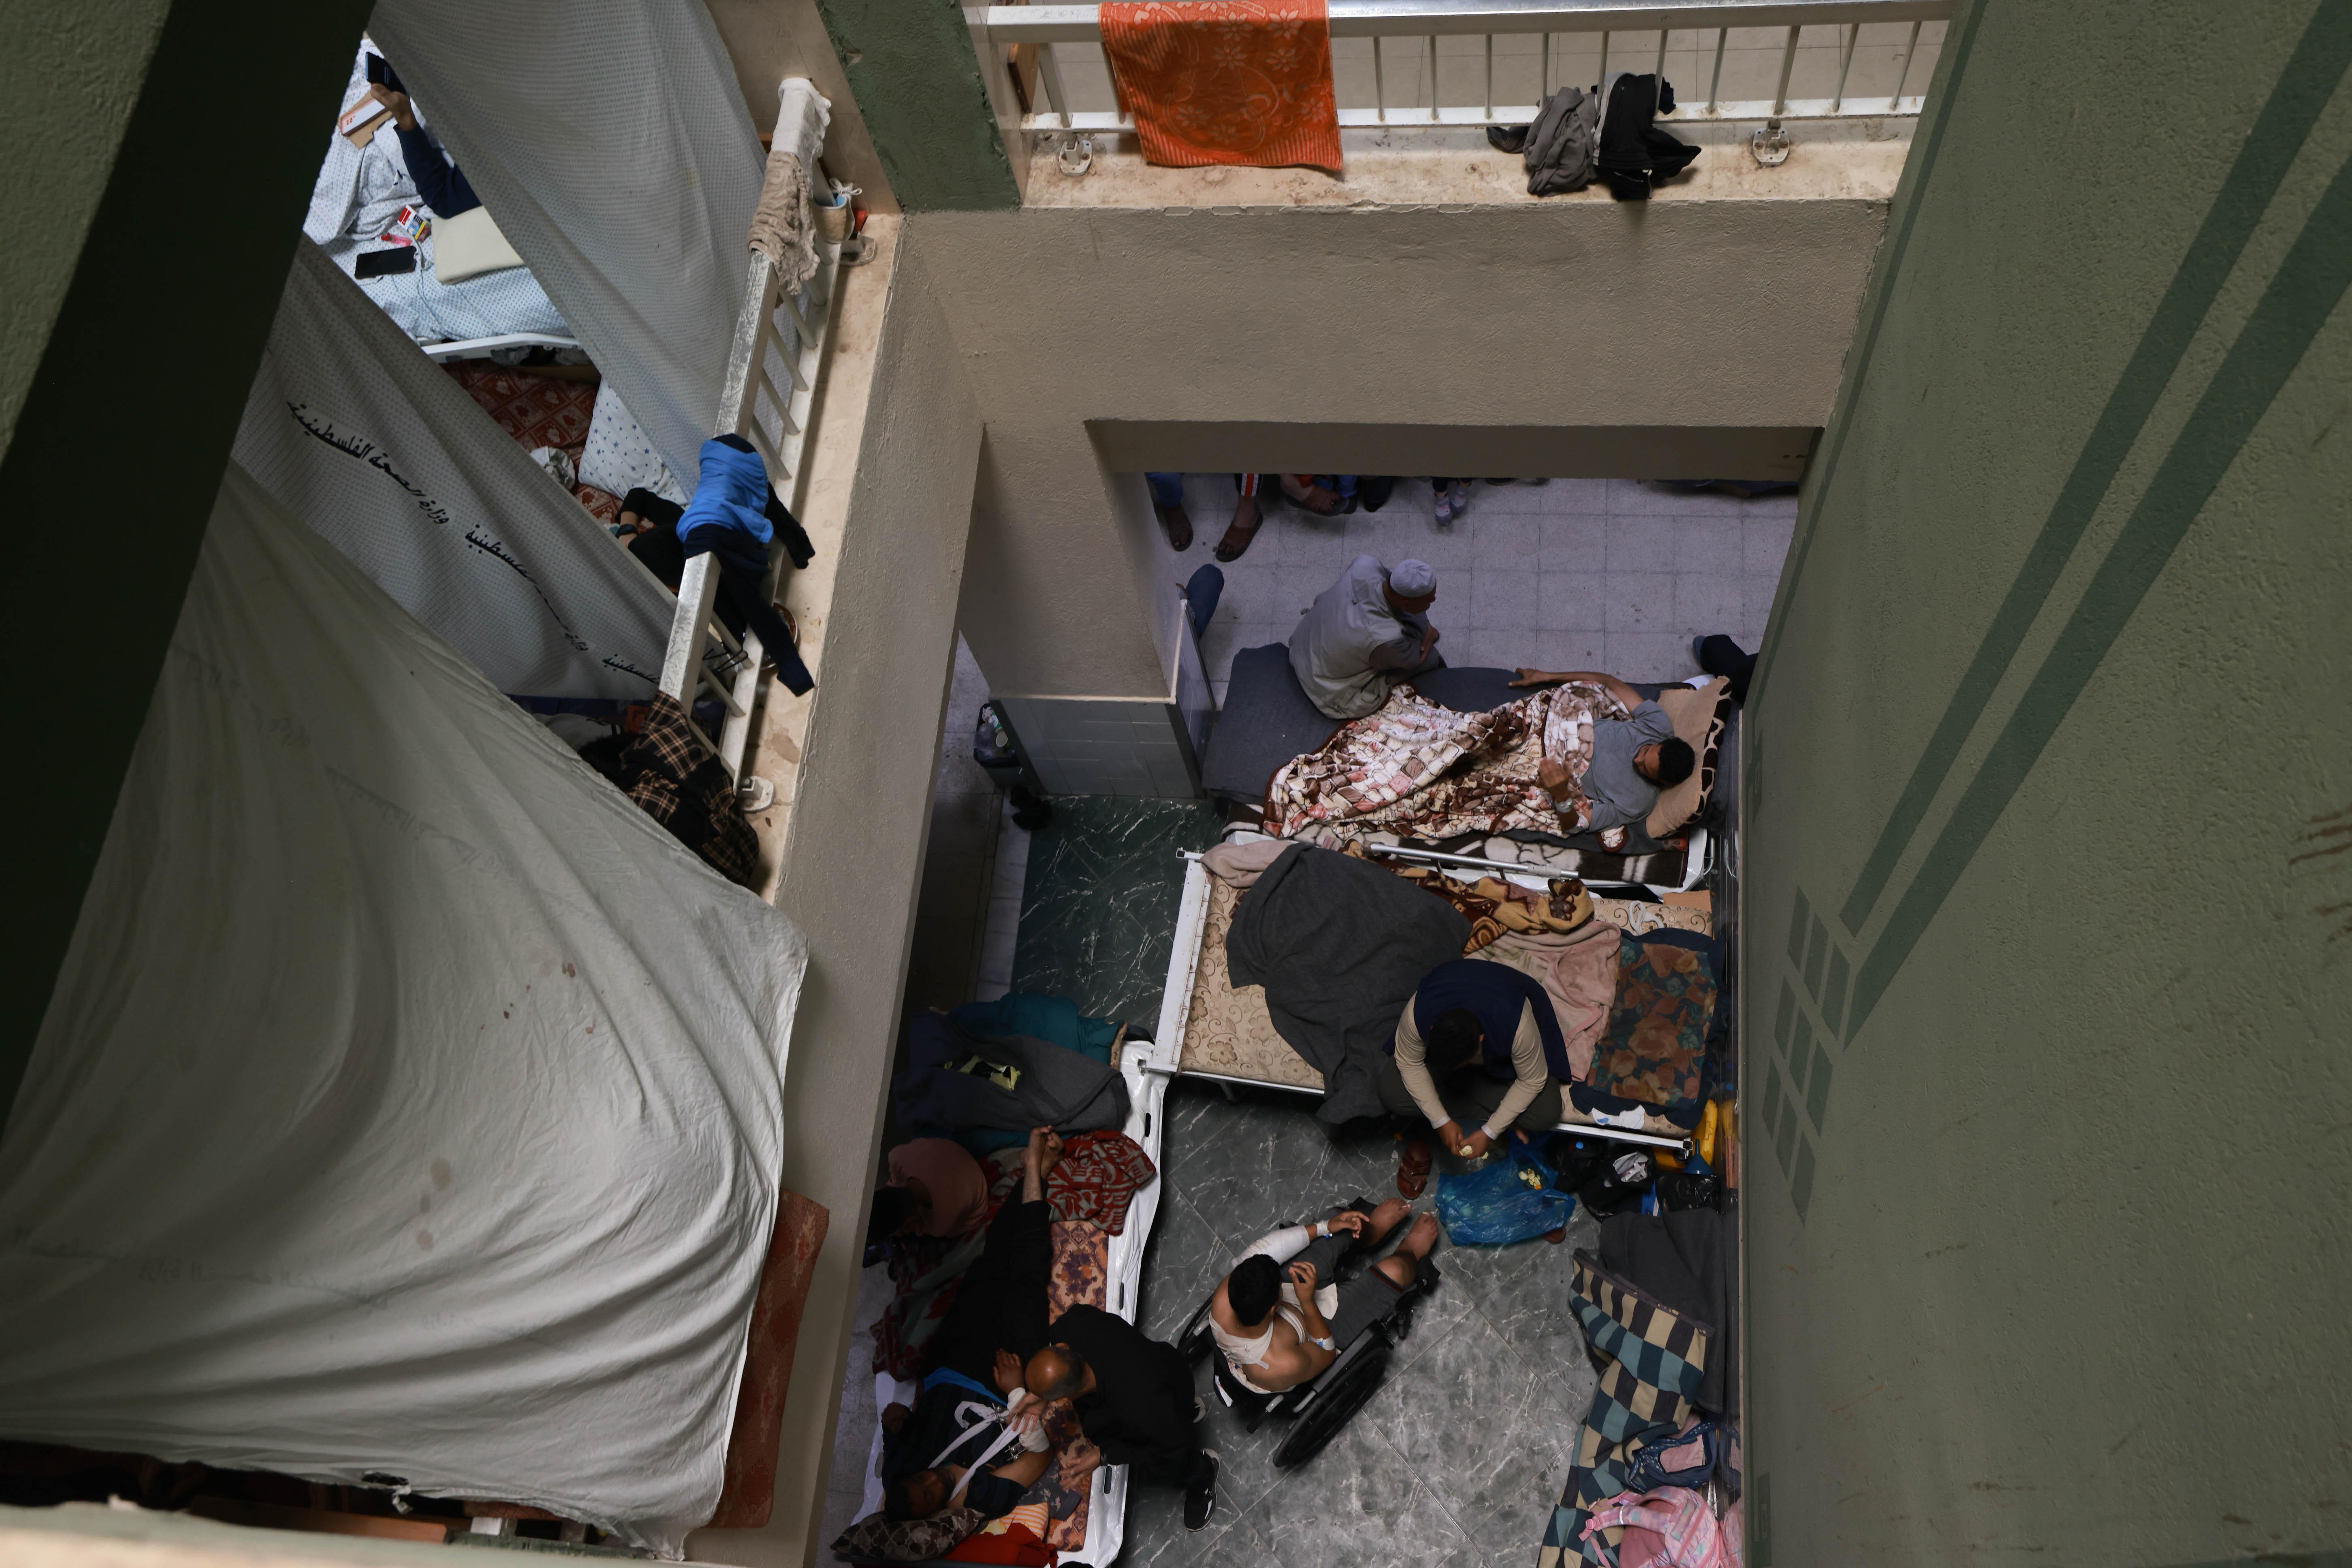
1366, 631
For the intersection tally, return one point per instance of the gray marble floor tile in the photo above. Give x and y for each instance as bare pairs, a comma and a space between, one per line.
1182, 1264
1357, 1503
1156, 1536
1457, 1416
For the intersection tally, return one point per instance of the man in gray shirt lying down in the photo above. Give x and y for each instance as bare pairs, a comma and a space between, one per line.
1633, 758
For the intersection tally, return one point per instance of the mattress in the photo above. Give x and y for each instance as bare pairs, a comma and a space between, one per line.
1225, 1031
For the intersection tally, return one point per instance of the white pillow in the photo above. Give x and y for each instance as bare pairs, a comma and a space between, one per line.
618, 457
469, 245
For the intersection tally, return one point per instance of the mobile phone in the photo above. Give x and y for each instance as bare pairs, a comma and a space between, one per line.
386, 263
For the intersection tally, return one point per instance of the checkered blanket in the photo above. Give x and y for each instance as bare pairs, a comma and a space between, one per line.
1652, 1360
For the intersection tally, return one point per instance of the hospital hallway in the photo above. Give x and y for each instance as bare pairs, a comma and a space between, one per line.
749, 878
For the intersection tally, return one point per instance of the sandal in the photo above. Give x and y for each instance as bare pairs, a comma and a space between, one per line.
1228, 549
1412, 1171
1177, 524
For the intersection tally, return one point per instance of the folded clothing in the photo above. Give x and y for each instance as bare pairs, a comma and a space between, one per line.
959, 1082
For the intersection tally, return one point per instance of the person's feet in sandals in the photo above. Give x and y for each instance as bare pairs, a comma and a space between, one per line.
1177, 524
1412, 1171
1311, 497
1247, 516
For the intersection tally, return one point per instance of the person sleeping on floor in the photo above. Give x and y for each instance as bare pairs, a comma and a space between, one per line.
1279, 1326
963, 1443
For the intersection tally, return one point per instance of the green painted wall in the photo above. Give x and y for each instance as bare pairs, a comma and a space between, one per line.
2049, 828
139, 285
68, 75
910, 63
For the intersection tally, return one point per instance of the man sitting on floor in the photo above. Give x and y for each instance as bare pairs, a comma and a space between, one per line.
1278, 1328
1479, 1043
1633, 758
1368, 631
963, 1442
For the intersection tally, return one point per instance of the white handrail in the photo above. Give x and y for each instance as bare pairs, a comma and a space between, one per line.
775, 420
1421, 23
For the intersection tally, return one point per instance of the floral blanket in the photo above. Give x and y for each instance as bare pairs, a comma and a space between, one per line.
1428, 772
1656, 1039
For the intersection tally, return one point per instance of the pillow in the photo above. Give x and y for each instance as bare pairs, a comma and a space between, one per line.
878, 1539
469, 245
1699, 714
619, 457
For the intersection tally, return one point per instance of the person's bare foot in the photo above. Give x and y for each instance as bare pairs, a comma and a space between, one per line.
1177, 524
1422, 1237
1385, 1219
1322, 502
1045, 1150
1247, 516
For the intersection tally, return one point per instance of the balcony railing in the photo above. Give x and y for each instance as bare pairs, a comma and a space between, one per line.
776, 334
1402, 64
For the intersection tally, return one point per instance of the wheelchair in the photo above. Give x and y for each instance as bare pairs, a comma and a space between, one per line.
1324, 1404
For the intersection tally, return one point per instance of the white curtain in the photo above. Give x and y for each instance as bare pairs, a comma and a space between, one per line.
371, 443
409, 1102
611, 141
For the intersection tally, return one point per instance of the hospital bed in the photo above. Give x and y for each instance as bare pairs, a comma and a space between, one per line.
1216, 1031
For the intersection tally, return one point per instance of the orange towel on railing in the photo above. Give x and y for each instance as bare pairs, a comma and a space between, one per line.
1226, 81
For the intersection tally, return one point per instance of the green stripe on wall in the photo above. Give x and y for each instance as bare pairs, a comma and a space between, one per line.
2306, 290
2304, 89
1959, 40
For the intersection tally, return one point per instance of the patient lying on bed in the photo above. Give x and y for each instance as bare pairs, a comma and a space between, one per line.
963, 1443
1279, 1327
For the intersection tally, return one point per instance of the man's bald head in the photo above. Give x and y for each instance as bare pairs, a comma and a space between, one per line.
1057, 1372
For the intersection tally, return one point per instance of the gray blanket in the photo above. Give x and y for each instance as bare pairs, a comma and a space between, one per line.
1055, 1088
1339, 945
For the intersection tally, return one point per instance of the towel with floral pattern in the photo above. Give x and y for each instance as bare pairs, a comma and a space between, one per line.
1656, 1038
1096, 1177
1081, 1278
1428, 772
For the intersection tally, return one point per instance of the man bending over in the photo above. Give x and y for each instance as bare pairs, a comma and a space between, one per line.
963, 1441
1633, 758
1279, 1327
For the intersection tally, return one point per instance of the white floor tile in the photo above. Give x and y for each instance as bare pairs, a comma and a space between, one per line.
1640, 544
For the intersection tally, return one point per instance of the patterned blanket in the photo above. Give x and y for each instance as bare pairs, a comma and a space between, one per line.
1428, 772
1652, 1362
1656, 1041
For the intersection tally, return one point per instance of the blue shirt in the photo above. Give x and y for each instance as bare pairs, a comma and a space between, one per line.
732, 491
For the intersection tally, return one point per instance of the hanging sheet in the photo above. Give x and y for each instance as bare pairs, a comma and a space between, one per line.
409, 1104
610, 139
360, 436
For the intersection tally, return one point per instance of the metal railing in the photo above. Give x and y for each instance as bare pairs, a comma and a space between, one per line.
1429, 64
753, 404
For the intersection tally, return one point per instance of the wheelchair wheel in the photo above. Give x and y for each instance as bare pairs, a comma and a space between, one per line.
1334, 1406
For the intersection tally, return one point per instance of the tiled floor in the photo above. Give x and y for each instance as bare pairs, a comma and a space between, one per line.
1610, 575
1460, 1456
1458, 1459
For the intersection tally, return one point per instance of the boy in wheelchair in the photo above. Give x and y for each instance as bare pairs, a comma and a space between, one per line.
1278, 1328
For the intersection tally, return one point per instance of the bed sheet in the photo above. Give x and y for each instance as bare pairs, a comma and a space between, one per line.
1229, 1033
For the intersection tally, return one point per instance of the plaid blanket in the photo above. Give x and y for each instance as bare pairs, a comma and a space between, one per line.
1428, 772
1652, 1360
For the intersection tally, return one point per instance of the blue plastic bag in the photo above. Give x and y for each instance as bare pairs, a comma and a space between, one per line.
1511, 1199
